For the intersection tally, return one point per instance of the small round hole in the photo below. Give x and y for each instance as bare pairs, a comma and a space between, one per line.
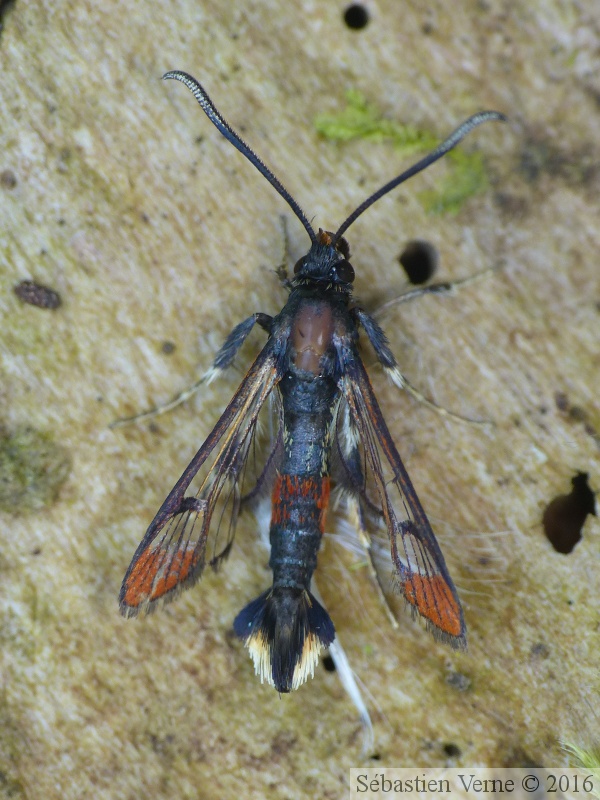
329, 663
420, 261
452, 750
356, 17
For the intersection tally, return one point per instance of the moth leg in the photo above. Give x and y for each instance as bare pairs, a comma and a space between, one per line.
443, 287
222, 360
346, 676
388, 361
402, 382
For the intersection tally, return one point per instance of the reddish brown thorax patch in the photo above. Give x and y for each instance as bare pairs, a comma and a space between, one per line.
311, 336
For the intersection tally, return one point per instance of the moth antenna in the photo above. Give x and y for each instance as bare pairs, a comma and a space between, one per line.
223, 127
441, 150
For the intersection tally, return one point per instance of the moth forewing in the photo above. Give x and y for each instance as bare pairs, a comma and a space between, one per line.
181, 540
420, 569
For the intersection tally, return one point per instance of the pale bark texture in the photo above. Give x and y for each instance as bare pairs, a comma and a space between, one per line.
118, 194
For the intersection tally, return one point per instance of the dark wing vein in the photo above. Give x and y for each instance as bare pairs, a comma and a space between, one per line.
418, 561
172, 554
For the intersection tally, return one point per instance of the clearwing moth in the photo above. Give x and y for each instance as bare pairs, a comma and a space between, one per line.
329, 425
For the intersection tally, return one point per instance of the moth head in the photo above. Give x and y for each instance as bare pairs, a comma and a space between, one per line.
327, 262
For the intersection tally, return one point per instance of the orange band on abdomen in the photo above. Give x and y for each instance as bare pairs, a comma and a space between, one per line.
292, 491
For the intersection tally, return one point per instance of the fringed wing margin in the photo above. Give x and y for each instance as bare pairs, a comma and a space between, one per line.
419, 565
173, 552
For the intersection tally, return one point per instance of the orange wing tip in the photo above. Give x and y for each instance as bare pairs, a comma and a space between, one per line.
433, 599
155, 574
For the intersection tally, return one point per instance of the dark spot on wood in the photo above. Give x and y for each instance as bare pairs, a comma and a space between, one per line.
328, 663
356, 17
420, 261
539, 651
562, 401
452, 750
8, 179
565, 516
458, 681
5, 7
35, 294
282, 743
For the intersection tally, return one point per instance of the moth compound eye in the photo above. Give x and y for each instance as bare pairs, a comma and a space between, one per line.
298, 266
344, 271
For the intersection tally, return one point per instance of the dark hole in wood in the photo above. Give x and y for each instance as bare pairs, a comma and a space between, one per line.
420, 260
565, 516
452, 750
356, 17
329, 663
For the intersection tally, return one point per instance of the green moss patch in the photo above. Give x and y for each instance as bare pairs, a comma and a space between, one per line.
362, 120
32, 470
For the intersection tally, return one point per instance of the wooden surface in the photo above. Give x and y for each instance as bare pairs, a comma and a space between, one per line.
118, 193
